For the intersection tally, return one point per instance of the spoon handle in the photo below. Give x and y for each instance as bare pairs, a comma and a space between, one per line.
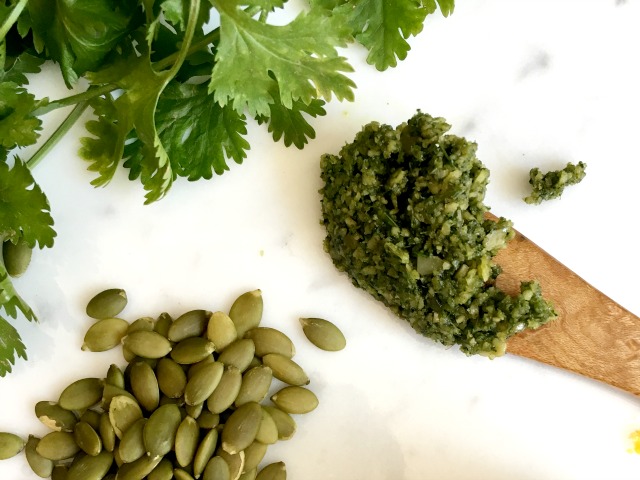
592, 336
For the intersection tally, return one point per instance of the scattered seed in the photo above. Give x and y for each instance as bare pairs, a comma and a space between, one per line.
55, 417
91, 467
216, 469
285, 423
187, 438
57, 446
82, 394
204, 452
87, 439
16, 257
189, 324
160, 430
43, 467
171, 378
273, 471
144, 385
323, 334
221, 330
105, 334
124, 411
239, 354
295, 400
285, 369
10, 445
227, 390
108, 303
246, 311
241, 427
269, 340
192, 350
147, 344
255, 385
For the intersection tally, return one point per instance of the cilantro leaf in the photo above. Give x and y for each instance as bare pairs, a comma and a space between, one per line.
21, 66
301, 55
10, 346
79, 35
24, 208
291, 123
197, 133
10, 300
446, 6
18, 127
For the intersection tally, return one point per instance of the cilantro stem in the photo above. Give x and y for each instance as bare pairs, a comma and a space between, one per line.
55, 137
91, 92
209, 38
194, 8
12, 18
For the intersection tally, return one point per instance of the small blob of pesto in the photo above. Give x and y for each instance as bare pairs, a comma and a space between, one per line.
550, 185
405, 219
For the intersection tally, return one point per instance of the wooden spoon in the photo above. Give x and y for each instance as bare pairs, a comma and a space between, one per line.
592, 336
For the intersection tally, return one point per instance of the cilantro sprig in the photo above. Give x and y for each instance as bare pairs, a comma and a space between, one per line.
171, 93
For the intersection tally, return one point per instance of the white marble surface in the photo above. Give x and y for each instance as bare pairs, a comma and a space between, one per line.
535, 83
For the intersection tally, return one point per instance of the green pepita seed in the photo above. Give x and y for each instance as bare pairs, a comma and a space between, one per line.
128, 355
204, 452
171, 378
82, 394
234, 461
160, 430
269, 340
91, 467
273, 471
55, 417
239, 354
107, 433
295, 400
285, 369
163, 323
115, 376
284, 422
241, 427
216, 469
139, 469
227, 390
180, 474
92, 418
249, 474
208, 420
124, 411
268, 431
108, 303
146, 324
246, 311
57, 446
202, 384
254, 454
87, 439
221, 330
60, 472
111, 391
192, 350
164, 471
187, 438
105, 334
189, 324
193, 368
144, 385
255, 385
194, 411
147, 344
16, 257
323, 334
42, 467
131, 447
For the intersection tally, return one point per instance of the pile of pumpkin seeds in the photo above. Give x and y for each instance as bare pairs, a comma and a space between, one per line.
190, 403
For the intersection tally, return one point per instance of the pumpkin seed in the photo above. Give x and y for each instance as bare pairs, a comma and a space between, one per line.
249, 474
92, 418
107, 433
124, 411
273, 471
255, 385
254, 454
323, 334
60, 472
241, 427
285, 423
55, 417
204, 452
234, 461
139, 469
57, 446
164, 471
187, 437
285, 369
269, 340
216, 469
128, 355
160, 430
115, 376
108, 303
200, 387
82, 394
146, 324
194, 411
111, 391
246, 311
193, 368
189, 324
105, 334
295, 400
192, 350
91, 467
162, 325
208, 420
87, 439
171, 378
239, 354
221, 330
147, 344
131, 447
42, 467
180, 474
144, 385
268, 430
227, 390
16, 257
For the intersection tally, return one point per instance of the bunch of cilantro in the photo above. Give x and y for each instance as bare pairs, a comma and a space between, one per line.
171, 84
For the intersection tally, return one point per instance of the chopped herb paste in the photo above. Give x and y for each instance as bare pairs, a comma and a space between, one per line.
405, 219
546, 186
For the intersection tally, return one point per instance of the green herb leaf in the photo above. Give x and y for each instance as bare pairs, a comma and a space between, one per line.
18, 126
24, 209
21, 66
301, 55
10, 346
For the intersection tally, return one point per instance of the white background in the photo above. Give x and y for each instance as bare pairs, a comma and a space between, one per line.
534, 83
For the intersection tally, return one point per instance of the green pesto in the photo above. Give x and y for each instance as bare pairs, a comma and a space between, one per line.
405, 219
550, 185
